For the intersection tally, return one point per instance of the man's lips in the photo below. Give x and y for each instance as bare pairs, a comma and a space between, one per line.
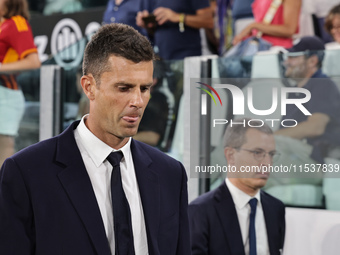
262, 174
131, 118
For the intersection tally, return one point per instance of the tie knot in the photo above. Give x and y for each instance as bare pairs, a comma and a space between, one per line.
115, 157
253, 203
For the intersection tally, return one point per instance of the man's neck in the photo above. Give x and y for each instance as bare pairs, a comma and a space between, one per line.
118, 2
110, 139
246, 189
309, 74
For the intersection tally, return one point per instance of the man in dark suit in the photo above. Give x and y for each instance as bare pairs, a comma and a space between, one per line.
238, 218
58, 197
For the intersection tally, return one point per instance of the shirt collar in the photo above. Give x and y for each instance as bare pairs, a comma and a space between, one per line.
96, 148
240, 198
318, 73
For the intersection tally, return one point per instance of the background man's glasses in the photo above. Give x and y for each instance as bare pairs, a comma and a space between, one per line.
259, 155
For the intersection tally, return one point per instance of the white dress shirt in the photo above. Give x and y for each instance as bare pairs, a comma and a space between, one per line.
242, 207
94, 153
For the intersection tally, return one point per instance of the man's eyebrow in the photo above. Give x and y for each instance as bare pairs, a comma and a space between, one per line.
258, 149
121, 83
261, 149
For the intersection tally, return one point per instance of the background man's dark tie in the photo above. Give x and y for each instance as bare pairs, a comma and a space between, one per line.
252, 233
121, 209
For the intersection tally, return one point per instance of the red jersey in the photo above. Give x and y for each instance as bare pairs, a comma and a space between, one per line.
16, 42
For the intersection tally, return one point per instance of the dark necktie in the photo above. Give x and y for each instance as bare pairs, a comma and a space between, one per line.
252, 234
121, 209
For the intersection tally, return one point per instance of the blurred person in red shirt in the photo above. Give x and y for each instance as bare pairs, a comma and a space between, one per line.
17, 53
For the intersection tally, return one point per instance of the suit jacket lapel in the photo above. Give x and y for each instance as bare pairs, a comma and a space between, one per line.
226, 211
147, 179
77, 185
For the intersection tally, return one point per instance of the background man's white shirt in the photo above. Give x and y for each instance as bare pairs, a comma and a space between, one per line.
242, 207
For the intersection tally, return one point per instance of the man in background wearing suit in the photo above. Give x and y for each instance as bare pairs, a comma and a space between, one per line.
58, 196
238, 218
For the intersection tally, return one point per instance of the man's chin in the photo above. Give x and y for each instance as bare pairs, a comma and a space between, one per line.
262, 178
130, 132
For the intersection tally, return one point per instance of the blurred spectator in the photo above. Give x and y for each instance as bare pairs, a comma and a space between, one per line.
321, 129
315, 136
122, 11
160, 114
176, 25
173, 27
209, 40
321, 10
242, 15
17, 53
332, 26
283, 26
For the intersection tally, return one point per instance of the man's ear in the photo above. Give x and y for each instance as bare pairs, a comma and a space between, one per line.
229, 154
88, 84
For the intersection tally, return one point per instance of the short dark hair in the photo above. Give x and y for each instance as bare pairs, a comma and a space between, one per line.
115, 39
234, 135
16, 7
330, 16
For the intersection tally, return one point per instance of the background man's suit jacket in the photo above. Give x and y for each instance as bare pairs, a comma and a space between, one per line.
48, 206
215, 228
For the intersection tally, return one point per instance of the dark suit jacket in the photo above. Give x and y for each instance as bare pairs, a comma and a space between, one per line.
215, 228
48, 206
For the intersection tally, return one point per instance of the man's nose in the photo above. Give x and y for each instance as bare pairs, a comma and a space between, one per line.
267, 159
137, 99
